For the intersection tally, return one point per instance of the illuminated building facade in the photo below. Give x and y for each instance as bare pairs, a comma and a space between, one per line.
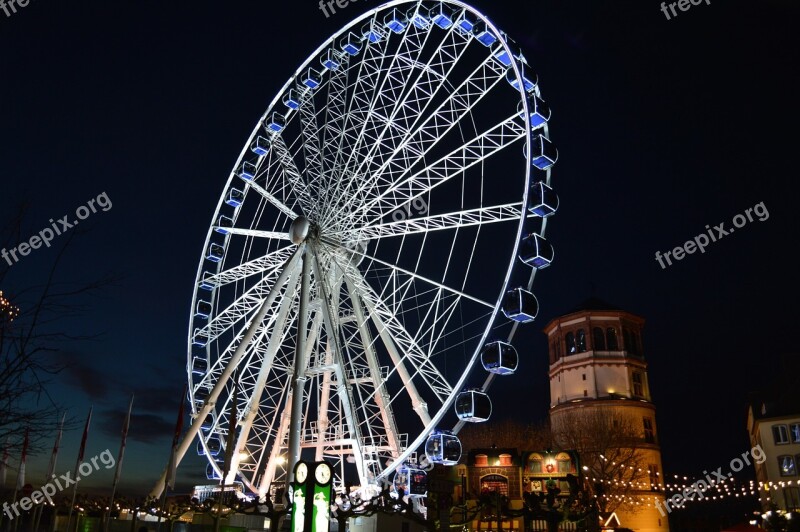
597, 365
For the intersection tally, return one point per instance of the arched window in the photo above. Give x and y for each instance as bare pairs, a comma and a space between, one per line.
534, 463
611, 339
569, 339
564, 463
496, 483
598, 339
627, 338
581, 341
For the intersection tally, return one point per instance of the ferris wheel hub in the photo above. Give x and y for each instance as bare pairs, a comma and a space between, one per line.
301, 227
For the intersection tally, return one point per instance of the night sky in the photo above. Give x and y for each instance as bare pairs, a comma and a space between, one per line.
663, 126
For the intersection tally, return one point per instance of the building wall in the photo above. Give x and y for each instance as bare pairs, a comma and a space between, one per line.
780, 489
598, 375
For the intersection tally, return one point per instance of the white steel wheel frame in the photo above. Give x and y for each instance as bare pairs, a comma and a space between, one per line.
422, 123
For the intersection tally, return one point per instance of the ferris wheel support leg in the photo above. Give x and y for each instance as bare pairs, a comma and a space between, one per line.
249, 334
299, 376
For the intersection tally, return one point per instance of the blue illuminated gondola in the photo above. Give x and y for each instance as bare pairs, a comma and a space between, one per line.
484, 35
215, 253
199, 366
207, 283
419, 18
260, 146
207, 424
544, 154
224, 224
247, 171
443, 447
500, 358
543, 200
211, 473
520, 305
203, 310
466, 22
200, 339
535, 251
529, 78
395, 21
350, 44
473, 406
235, 198
276, 122
538, 111
372, 33
441, 15
214, 445
291, 99
201, 394
331, 60
312, 79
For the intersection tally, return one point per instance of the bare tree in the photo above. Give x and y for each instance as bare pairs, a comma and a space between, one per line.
33, 330
611, 445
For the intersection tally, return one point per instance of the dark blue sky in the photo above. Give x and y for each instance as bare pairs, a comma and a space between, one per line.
663, 126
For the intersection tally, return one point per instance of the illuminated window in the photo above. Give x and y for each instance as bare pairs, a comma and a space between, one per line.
569, 339
781, 434
535, 463
496, 483
611, 339
652, 471
649, 433
787, 466
795, 430
598, 339
581, 341
564, 463
638, 388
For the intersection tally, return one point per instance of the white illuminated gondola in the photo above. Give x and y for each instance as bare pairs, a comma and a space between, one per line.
500, 358
473, 406
443, 447
520, 305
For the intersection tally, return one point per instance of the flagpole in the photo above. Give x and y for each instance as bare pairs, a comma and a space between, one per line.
50, 472
118, 471
77, 466
3, 469
172, 466
21, 476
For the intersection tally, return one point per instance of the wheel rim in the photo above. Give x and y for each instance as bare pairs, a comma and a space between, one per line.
392, 159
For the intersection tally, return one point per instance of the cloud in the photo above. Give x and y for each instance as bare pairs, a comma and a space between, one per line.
82, 374
145, 428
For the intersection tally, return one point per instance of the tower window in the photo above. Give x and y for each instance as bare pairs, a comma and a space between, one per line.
598, 339
569, 339
611, 339
627, 339
780, 434
795, 430
581, 341
652, 471
638, 388
649, 432
585, 393
584, 376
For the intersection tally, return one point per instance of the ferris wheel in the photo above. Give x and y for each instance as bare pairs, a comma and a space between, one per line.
370, 257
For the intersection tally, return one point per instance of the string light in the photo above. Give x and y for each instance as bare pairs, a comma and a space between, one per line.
7, 309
